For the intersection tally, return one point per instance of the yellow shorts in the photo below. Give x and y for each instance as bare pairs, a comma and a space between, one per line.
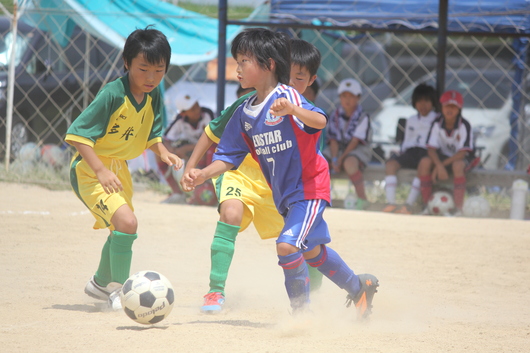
87, 187
248, 185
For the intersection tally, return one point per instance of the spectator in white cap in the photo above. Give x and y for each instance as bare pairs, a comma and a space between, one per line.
348, 137
181, 136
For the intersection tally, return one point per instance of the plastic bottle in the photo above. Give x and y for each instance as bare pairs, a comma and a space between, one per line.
519, 191
350, 199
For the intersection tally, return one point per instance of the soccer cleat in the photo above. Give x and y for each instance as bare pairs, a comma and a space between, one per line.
213, 303
114, 300
405, 209
389, 208
99, 292
363, 299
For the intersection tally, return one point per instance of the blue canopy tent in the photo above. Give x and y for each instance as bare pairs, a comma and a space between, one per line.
508, 18
193, 37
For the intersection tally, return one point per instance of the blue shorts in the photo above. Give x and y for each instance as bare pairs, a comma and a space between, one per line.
304, 226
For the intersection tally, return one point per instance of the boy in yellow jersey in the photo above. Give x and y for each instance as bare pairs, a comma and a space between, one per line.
124, 119
244, 194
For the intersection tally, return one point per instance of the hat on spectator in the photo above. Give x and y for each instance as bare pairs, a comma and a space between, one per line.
452, 97
185, 101
350, 85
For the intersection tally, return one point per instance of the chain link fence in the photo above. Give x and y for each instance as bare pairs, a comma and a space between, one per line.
53, 83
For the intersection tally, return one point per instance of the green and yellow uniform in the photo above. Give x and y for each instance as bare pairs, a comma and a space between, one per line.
246, 184
118, 129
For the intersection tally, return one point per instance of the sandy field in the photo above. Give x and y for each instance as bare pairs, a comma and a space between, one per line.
446, 284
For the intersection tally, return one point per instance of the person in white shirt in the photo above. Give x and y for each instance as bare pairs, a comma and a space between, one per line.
450, 150
181, 136
413, 148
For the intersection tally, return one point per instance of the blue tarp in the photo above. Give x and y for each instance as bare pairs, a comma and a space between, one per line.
463, 15
193, 37
493, 16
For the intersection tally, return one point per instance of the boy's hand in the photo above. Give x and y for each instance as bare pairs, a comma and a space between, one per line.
192, 179
281, 107
440, 173
109, 181
171, 160
336, 164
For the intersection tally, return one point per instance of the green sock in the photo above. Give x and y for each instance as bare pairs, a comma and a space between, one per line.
121, 255
222, 251
315, 278
103, 276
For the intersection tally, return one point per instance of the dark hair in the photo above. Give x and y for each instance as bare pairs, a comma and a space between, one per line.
150, 42
424, 91
305, 54
240, 90
264, 44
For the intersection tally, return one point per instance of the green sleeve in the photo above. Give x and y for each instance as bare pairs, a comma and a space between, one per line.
93, 121
217, 126
158, 110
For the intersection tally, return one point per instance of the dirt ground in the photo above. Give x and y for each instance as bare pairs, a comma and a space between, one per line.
447, 284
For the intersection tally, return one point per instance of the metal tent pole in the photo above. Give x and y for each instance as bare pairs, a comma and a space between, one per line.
11, 85
221, 56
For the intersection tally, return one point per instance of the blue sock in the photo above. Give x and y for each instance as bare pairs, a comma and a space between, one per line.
296, 279
333, 267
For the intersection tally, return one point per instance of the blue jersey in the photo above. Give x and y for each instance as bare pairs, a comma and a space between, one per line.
287, 150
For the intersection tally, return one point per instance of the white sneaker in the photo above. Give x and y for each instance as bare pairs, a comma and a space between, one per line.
99, 292
114, 300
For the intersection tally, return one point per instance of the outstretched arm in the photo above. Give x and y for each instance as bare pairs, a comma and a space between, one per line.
167, 157
199, 150
196, 177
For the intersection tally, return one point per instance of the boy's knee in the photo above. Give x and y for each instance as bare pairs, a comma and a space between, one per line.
391, 167
284, 249
231, 215
127, 224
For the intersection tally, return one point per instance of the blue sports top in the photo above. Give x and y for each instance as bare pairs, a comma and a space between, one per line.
287, 150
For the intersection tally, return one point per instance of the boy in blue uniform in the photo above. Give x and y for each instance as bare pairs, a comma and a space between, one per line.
124, 119
282, 130
244, 194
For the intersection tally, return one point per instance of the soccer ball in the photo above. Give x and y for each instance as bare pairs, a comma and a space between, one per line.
147, 297
476, 206
29, 152
440, 203
53, 155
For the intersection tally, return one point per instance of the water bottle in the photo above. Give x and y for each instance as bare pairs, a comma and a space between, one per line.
519, 190
350, 200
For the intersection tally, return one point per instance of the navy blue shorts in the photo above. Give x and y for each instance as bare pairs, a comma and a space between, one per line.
304, 226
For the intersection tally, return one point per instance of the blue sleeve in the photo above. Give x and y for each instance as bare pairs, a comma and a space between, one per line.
234, 144
311, 107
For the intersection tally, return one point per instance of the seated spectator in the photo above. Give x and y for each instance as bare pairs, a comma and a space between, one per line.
181, 136
348, 136
413, 148
449, 150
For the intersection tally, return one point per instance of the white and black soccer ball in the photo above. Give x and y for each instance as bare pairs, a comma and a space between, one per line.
476, 206
147, 297
440, 203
